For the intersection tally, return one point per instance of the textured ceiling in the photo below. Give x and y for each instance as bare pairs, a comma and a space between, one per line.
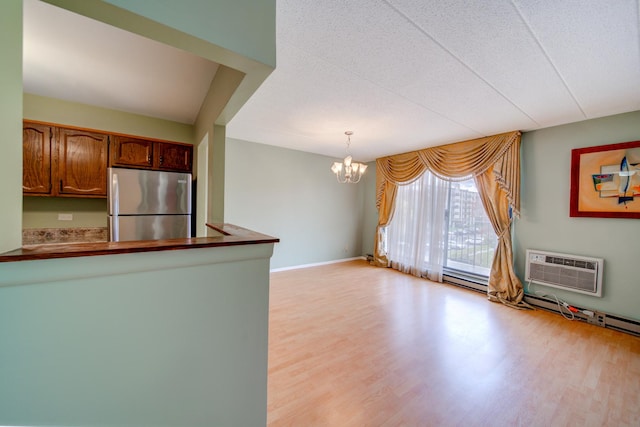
401, 74
408, 74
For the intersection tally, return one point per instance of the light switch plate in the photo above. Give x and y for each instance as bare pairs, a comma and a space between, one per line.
65, 217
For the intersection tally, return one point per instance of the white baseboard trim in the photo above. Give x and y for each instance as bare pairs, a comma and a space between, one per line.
316, 264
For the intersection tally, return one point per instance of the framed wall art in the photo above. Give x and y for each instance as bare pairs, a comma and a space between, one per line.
605, 181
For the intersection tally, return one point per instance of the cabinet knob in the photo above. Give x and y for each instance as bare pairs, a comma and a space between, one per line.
161, 159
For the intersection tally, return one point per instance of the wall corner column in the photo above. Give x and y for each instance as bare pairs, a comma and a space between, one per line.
217, 160
11, 125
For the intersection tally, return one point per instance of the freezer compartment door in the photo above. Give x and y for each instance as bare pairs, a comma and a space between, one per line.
143, 192
149, 227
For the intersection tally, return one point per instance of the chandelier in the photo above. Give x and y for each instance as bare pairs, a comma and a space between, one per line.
348, 171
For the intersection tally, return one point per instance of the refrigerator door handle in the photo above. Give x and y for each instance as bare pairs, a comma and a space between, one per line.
115, 198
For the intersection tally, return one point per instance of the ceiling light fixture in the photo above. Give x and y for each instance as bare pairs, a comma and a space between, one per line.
348, 171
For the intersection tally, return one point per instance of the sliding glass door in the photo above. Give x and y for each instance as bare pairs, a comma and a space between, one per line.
440, 227
471, 240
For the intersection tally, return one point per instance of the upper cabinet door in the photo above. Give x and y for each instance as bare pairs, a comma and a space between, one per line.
82, 163
174, 157
36, 158
132, 152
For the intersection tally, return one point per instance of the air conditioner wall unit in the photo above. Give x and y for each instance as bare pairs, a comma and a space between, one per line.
573, 273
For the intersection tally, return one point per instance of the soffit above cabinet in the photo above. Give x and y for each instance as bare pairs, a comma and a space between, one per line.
74, 58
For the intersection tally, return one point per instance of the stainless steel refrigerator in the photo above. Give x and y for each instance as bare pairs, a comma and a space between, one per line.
148, 205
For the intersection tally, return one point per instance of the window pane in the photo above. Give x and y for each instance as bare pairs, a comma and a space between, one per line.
471, 240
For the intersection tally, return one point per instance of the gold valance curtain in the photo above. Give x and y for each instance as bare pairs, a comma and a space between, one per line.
494, 162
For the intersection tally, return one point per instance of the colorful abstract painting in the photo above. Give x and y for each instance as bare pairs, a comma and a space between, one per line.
605, 181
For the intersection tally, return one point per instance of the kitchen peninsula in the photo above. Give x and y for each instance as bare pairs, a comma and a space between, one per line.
228, 235
170, 332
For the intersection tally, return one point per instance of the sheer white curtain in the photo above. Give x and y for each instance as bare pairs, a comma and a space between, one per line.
416, 233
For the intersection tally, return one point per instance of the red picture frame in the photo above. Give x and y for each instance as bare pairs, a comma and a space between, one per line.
605, 181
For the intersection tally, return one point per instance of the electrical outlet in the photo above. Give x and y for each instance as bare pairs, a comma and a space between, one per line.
65, 217
599, 319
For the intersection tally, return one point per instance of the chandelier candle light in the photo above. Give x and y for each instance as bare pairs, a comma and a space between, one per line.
348, 171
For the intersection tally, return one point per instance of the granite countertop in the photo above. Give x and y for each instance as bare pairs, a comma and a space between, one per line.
230, 235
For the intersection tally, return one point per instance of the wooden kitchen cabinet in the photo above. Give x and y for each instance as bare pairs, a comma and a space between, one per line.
174, 157
145, 154
36, 158
82, 163
63, 162
131, 152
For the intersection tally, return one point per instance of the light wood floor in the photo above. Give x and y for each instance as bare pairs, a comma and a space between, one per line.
355, 345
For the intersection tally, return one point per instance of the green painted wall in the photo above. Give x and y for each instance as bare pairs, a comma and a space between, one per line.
216, 175
545, 223
222, 88
295, 196
175, 338
370, 213
11, 124
243, 26
74, 114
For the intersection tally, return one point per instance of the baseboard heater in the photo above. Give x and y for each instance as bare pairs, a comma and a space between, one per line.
468, 281
604, 320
